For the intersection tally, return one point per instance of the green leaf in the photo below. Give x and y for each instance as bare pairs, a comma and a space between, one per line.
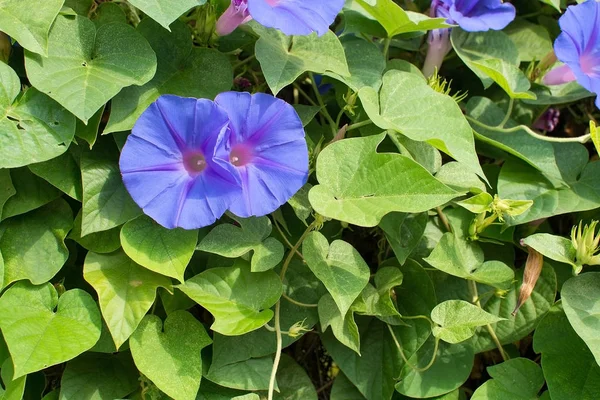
595, 134
7, 189
39, 337
13, 388
284, 58
516, 327
509, 77
87, 66
33, 244
99, 242
450, 370
61, 172
81, 7
478, 204
98, 377
517, 378
458, 319
339, 266
239, 300
554, 3
300, 203
458, 257
106, 203
32, 193
554, 247
250, 374
166, 251
475, 47
569, 368
532, 41
396, 21
343, 326
126, 291
363, 188
34, 127
582, 306
407, 105
377, 300
253, 233
403, 232
170, 357
182, 70
29, 21
559, 94
343, 389
453, 174
294, 384
89, 131
166, 11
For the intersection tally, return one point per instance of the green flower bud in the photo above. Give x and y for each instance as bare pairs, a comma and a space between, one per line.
586, 242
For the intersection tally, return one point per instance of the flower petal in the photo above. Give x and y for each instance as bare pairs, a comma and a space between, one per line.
296, 17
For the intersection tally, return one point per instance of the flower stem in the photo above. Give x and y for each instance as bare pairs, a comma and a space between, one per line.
359, 125
324, 111
511, 104
475, 300
243, 62
386, 47
298, 303
401, 351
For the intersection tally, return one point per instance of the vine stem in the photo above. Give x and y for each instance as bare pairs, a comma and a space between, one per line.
386, 47
401, 351
475, 300
359, 125
325, 113
278, 332
579, 139
511, 105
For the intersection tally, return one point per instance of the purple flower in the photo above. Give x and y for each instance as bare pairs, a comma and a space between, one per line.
578, 46
267, 148
477, 15
292, 17
167, 163
548, 120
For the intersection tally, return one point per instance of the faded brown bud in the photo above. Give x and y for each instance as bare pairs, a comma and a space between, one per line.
533, 268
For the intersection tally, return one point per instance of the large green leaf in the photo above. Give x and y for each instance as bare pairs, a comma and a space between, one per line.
403, 232
253, 233
33, 244
509, 77
32, 193
515, 379
407, 104
125, 290
96, 376
61, 172
13, 388
365, 63
343, 389
37, 336
569, 368
557, 248
33, 127
532, 41
87, 66
250, 374
166, 11
238, 298
284, 58
106, 203
182, 70
7, 189
29, 21
363, 188
294, 384
170, 356
396, 21
458, 319
166, 251
516, 327
581, 302
99, 242
339, 266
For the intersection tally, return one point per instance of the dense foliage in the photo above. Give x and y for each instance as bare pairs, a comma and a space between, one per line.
299, 199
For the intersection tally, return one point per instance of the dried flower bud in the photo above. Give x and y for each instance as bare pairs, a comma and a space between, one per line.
533, 268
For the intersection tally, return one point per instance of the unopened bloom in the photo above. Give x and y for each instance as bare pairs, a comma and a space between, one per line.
292, 17
548, 120
167, 163
578, 47
267, 149
587, 244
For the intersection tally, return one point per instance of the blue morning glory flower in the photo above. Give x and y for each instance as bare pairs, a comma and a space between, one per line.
477, 15
578, 46
292, 17
167, 163
267, 148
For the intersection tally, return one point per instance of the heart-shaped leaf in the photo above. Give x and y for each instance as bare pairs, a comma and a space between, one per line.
87, 66
32, 193
339, 266
33, 244
238, 298
361, 189
515, 379
37, 335
228, 240
125, 290
165, 11
344, 327
458, 319
170, 357
28, 21
166, 251
34, 127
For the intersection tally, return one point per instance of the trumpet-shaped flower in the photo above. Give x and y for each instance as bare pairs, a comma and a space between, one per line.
477, 15
292, 17
578, 47
266, 148
167, 163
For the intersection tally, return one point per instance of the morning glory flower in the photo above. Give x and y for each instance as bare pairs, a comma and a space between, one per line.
266, 148
578, 47
471, 16
167, 163
292, 17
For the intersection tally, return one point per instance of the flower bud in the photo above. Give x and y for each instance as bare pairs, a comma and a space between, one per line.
586, 241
